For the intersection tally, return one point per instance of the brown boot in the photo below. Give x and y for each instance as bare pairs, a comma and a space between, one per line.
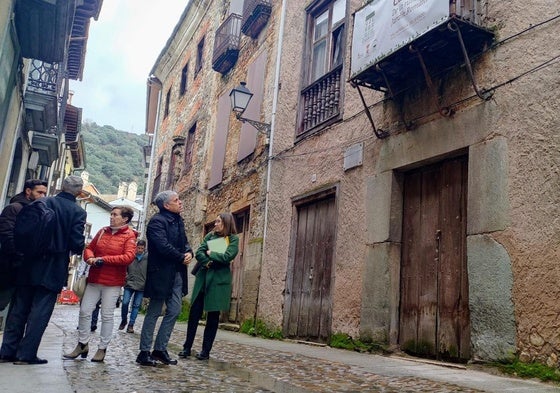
99, 355
80, 350
130, 329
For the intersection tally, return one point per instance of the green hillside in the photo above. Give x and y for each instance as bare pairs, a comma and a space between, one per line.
113, 156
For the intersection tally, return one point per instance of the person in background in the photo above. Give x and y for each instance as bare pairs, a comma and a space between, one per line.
41, 279
95, 316
9, 259
166, 279
212, 286
134, 286
112, 249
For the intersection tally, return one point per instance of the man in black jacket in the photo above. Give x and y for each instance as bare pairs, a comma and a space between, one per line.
41, 279
166, 278
9, 259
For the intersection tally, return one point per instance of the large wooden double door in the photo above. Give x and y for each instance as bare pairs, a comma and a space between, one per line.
434, 312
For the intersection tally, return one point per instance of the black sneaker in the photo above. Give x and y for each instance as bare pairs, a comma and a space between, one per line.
185, 353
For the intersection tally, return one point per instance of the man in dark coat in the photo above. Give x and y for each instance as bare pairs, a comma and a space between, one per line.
40, 279
166, 279
9, 259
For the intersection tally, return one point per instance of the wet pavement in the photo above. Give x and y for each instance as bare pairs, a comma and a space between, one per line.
239, 363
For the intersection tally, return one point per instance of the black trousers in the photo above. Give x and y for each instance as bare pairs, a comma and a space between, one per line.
28, 317
212, 321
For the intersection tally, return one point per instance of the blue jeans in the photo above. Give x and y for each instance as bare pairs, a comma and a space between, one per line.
137, 297
174, 304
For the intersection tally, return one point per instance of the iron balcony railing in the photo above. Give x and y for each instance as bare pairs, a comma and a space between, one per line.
226, 44
255, 16
43, 78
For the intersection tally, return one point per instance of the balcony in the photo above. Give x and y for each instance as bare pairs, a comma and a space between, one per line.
255, 16
41, 96
321, 101
80, 29
46, 145
74, 142
394, 49
226, 44
44, 26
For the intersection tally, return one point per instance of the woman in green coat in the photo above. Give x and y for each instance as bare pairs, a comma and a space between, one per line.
212, 286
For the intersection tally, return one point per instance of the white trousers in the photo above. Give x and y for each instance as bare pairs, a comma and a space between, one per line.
108, 296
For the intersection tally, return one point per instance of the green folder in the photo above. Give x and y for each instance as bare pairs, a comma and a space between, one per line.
218, 244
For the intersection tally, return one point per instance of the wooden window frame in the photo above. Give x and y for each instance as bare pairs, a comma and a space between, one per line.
320, 103
199, 56
167, 99
184, 80
157, 178
189, 149
313, 12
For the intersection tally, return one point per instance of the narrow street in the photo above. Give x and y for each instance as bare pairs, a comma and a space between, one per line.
239, 363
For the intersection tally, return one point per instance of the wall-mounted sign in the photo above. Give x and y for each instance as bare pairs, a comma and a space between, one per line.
384, 26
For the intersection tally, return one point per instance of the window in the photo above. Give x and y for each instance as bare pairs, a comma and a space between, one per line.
327, 38
199, 56
157, 178
184, 76
189, 145
174, 170
167, 98
320, 102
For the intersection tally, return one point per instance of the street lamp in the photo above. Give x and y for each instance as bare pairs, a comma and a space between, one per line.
240, 97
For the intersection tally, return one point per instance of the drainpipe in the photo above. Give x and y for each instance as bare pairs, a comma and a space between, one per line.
141, 221
272, 128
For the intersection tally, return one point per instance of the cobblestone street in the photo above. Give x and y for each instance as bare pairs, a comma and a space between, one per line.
243, 367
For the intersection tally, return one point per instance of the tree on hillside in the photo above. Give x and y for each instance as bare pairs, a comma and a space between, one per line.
113, 156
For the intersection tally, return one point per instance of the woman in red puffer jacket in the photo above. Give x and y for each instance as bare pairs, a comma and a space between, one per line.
112, 249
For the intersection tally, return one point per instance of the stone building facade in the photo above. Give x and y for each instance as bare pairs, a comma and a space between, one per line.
410, 201
377, 194
215, 162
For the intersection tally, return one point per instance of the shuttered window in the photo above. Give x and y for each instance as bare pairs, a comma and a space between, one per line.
220, 139
255, 83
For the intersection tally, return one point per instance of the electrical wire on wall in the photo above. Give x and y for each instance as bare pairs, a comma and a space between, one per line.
284, 154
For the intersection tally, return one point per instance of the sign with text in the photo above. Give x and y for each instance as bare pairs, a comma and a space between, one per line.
384, 26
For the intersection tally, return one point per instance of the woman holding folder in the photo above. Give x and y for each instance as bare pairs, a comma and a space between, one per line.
212, 286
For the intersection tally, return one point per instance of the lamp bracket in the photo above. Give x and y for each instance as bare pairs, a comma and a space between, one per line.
260, 127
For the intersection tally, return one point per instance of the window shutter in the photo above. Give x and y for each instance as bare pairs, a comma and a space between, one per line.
220, 139
255, 83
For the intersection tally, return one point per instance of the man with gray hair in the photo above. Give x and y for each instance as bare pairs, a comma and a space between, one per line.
166, 279
40, 279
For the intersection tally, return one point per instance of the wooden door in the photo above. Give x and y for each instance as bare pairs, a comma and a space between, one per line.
434, 313
308, 287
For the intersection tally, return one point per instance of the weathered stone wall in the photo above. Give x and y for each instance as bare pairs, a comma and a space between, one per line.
243, 185
513, 233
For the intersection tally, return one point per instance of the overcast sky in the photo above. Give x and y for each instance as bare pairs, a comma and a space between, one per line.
123, 45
